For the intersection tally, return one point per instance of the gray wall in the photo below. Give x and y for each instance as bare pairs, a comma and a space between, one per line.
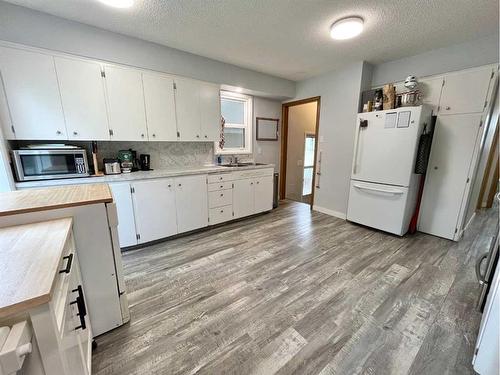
266, 151
340, 95
460, 56
32, 28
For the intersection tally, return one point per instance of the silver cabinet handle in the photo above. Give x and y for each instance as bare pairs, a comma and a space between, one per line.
220, 178
58, 132
447, 108
180, 185
257, 182
142, 135
169, 185
75, 133
221, 186
221, 211
154, 135
206, 136
251, 183
221, 194
197, 136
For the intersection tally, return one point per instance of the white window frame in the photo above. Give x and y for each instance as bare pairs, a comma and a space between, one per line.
248, 126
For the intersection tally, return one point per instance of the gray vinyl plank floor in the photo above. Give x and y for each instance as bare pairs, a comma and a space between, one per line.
299, 292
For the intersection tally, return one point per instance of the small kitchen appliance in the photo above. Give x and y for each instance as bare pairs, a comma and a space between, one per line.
145, 162
62, 161
126, 158
112, 166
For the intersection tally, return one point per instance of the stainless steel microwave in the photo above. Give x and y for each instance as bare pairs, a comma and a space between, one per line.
48, 164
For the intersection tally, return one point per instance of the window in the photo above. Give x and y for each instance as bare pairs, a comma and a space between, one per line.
308, 164
236, 109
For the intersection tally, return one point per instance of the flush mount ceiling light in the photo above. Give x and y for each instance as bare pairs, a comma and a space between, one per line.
346, 28
118, 3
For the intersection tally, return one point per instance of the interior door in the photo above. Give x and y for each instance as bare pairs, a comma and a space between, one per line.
263, 194
160, 107
83, 99
125, 210
210, 112
30, 84
465, 92
192, 202
154, 207
187, 107
127, 116
448, 172
243, 198
384, 149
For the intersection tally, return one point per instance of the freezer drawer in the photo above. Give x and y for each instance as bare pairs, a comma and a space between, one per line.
378, 206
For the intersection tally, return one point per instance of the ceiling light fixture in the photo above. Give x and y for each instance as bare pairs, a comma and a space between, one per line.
118, 3
346, 28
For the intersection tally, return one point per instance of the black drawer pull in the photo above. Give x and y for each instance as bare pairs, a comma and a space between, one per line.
68, 265
221, 194
82, 310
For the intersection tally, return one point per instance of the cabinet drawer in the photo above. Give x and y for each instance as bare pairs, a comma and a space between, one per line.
220, 186
252, 173
220, 198
212, 178
220, 214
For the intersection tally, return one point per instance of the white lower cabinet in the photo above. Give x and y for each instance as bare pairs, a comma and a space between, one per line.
122, 196
220, 214
243, 198
192, 202
263, 194
154, 209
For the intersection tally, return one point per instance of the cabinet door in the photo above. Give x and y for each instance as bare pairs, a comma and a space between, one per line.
449, 167
32, 92
263, 194
210, 112
154, 207
243, 198
192, 202
187, 106
83, 99
127, 116
465, 92
160, 107
125, 210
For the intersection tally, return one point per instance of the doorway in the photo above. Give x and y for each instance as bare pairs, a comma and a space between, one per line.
298, 149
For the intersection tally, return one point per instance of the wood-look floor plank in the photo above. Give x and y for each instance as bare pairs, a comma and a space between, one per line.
299, 292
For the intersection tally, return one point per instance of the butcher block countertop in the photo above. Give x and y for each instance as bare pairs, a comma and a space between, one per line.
29, 263
32, 200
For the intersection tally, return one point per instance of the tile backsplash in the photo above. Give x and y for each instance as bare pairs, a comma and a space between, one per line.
164, 155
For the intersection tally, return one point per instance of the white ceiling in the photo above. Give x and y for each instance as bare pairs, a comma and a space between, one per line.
288, 38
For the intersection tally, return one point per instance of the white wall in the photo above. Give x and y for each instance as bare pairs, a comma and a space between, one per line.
457, 57
266, 151
32, 28
340, 95
301, 120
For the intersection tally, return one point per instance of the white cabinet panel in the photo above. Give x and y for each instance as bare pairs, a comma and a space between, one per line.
431, 91
83, 99
465, 92
263, 193
210, 112
220, 214
160, 107
187, 104
192, 202
220, 198
127, 116
125, 210
449, 167
32, 92
243, 198
154, 207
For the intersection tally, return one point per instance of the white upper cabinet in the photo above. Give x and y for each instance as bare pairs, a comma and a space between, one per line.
187, 105
192, 202
465, 92
127, 115
210, 112
30, 84
83, 100
160, 107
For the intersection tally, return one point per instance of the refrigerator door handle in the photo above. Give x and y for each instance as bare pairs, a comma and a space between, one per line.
356, 147
480, 261
395, 192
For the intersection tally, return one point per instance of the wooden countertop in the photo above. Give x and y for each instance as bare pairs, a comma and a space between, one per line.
29, 263
32, 200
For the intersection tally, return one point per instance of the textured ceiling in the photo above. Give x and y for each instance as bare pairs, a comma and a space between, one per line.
288, 38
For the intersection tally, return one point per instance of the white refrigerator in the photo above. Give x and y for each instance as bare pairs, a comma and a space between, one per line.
383, 187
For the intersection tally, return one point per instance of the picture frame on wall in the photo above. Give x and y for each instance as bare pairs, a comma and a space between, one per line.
267, 129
